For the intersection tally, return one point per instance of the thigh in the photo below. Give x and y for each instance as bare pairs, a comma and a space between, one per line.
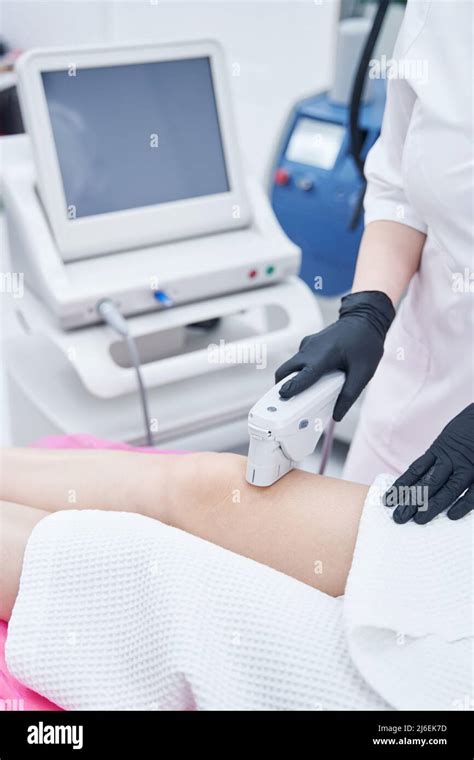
304, 525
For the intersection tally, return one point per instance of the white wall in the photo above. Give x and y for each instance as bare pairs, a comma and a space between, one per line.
31, 23
277, 51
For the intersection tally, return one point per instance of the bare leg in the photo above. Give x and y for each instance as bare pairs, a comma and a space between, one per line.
16, 524
304, 525
83, 479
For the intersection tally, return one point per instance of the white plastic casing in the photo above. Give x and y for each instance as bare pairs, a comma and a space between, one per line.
102, 234
285, 431
188, 271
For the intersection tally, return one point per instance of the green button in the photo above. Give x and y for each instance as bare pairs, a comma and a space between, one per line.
270, 270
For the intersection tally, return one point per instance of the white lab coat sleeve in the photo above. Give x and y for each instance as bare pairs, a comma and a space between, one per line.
385, 197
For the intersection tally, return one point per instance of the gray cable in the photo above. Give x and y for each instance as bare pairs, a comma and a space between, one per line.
112, 316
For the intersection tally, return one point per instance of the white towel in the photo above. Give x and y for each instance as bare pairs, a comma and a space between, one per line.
408, 608
117, 611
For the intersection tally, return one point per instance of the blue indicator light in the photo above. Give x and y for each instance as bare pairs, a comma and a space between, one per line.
162, 298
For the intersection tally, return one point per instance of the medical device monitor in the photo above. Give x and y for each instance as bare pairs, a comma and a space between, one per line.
133, 145
315, 143
135, 135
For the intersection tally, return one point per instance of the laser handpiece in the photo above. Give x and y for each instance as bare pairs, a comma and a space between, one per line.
285, 431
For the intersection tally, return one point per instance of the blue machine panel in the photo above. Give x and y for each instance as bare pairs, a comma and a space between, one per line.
316, 188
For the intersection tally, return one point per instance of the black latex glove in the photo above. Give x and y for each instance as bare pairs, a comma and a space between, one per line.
446, 470
353, 344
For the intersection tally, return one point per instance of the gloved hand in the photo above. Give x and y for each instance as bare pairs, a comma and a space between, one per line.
446, 470
353, 344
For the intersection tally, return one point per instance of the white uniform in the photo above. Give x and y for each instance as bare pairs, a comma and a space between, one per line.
420, 173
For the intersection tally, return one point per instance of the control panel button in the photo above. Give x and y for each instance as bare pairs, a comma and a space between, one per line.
282, 177
304, 183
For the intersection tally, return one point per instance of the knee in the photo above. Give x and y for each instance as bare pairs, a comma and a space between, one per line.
205, 480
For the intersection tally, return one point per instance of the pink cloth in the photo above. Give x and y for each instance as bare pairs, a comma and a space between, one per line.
84, 441
13, 694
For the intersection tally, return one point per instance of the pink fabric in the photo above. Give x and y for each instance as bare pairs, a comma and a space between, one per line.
13, 695
84, 441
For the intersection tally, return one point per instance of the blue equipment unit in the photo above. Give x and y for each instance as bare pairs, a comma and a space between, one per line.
317, 190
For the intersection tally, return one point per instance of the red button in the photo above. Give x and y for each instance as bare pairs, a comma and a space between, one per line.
253, 273
282, 177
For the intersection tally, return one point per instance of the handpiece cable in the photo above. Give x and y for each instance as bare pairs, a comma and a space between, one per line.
355, 146
112, 316
356, 150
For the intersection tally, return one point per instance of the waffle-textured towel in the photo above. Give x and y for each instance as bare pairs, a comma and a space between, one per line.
408, 608
117, 611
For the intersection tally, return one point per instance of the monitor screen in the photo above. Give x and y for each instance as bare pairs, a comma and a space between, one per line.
129, 136
315, 143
